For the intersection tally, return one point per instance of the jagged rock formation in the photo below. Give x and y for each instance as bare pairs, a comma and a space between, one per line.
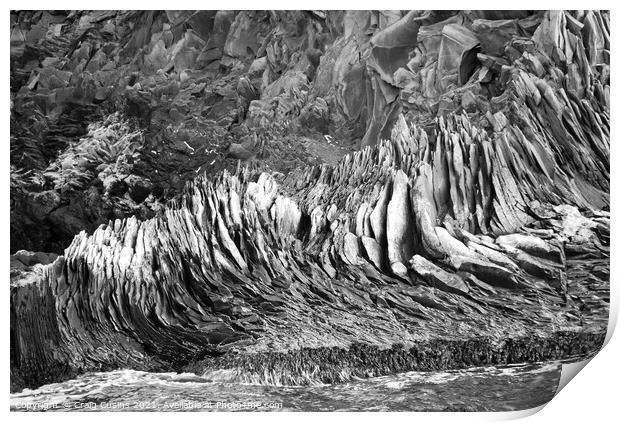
476, 237
327, 258
202, 89
187, 112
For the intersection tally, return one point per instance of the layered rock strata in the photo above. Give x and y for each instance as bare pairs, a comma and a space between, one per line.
472, 228
200, 89
400, 245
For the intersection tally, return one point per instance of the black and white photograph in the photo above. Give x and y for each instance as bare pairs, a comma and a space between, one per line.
306, 210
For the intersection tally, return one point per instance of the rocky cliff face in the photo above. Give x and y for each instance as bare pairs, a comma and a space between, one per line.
470, 227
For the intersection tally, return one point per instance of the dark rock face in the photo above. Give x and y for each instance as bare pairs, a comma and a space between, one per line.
188, 84
472, 228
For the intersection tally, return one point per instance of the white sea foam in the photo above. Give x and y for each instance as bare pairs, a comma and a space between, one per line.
404, 391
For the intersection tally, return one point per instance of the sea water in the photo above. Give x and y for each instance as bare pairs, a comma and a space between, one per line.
507, 388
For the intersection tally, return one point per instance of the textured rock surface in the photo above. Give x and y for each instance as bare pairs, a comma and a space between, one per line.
472, 228
195, 91
236, 267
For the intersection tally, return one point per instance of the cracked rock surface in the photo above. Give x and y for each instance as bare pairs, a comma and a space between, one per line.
470, 227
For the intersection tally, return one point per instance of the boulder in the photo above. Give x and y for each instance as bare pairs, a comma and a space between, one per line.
486, 271
437, 277
315, 116
374, 251
495, 34
243, 37
532, 245
399, 224
457, 58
